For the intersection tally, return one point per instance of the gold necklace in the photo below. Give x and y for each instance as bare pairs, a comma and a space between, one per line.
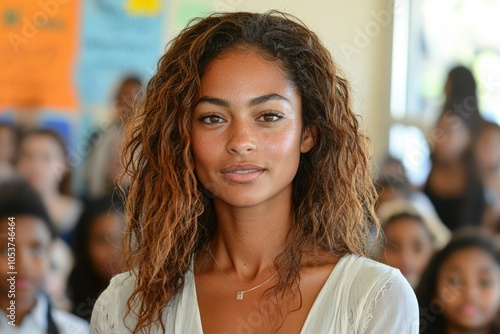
239, 294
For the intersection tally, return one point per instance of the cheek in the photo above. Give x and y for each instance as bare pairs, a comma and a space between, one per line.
491, 297
285, 146
40, 267
99, 255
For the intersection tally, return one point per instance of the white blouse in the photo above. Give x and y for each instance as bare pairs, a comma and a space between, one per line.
359, 296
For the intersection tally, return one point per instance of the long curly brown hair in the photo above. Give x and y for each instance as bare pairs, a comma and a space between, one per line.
169, 218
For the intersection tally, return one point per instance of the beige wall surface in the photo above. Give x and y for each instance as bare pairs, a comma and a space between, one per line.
357, 32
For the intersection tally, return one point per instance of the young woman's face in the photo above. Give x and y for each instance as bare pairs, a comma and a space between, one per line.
32, 245
409, 248
41, 162
247, 132
469, 287
451, 138
104, 245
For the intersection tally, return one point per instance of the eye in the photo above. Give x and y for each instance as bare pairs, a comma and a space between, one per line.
454, 281
211, 119
270, 117
38, 251
485, 283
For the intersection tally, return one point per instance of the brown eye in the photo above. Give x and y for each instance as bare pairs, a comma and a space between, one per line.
211, 119
270, 117
454, 281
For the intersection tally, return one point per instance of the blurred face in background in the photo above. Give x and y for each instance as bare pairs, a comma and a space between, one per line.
469, 287
42, 162
451, 138
409, 247
104, 245
33, 243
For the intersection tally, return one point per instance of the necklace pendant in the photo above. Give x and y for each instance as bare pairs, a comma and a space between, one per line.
239, 295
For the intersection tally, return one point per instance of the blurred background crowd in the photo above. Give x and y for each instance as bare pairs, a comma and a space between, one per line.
433, 120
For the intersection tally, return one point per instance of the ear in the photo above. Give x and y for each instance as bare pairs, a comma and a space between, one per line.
308, 139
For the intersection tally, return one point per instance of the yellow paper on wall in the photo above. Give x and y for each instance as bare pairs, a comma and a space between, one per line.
143, 7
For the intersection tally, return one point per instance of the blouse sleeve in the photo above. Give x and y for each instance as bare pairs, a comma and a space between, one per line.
393, 309
109, 309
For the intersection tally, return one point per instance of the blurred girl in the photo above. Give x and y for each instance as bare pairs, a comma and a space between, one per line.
408, 245
454, 186
42, 161
460, 289
96, 246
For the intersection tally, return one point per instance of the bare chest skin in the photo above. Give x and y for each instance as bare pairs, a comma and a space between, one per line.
221, 312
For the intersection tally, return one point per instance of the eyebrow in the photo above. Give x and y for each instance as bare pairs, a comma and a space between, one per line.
253, 102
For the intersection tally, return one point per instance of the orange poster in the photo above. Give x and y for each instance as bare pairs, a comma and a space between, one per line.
38, 48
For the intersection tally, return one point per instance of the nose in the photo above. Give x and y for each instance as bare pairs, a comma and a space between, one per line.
241, 138
471, 291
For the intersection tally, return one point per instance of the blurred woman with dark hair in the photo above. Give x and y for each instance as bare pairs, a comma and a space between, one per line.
96, 245
454, 185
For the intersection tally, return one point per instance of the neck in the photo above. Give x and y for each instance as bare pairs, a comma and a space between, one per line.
247, 240
23, 307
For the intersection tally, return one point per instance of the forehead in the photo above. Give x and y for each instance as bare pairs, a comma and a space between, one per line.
27, 229
244, 68
470, 259
41, 140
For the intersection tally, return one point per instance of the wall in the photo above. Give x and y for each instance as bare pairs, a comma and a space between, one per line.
357, 32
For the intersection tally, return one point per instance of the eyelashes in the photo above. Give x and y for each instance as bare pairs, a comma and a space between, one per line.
266, 117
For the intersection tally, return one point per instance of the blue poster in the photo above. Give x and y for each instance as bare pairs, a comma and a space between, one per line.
118, 38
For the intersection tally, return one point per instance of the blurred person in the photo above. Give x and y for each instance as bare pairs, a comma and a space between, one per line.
25, 223
103, 161
459, 292
42, 162
9, 142
396, 194
408, 244
392, 181
487, 154
453, 185
96, 245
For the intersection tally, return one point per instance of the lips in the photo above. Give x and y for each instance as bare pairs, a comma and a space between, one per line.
468, 310
242, 173
23, 283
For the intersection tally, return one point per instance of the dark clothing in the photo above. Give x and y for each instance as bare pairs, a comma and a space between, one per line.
460, 211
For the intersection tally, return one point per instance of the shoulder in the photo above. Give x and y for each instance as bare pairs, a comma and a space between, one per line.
371, 277
381, 293
111, 306
363, 270
70, 323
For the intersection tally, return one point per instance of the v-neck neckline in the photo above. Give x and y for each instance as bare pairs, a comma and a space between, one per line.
317, 301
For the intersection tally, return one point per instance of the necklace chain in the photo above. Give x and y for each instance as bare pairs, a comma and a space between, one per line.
239, 294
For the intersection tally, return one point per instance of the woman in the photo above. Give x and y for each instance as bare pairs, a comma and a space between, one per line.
42, 162
250, 197
97, 253
453, 185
